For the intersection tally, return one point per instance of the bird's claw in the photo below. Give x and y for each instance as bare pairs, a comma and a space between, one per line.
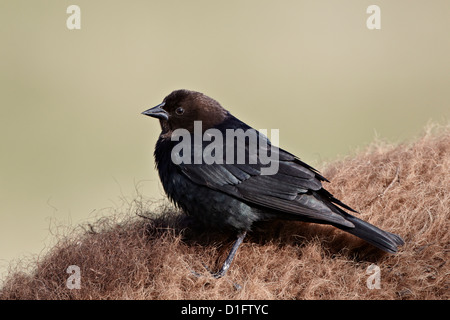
216, 275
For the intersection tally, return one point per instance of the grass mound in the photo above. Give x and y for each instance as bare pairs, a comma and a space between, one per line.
403, 189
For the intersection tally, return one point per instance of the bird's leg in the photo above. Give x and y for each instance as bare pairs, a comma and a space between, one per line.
227, 263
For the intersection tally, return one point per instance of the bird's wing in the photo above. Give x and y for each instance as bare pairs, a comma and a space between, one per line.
290, 190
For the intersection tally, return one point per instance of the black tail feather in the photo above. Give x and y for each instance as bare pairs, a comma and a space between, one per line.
384, 240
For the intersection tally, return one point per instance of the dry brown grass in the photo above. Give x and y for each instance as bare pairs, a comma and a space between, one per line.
404, 189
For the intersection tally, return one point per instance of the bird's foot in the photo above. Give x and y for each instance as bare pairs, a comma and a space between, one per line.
216, 275
227, 263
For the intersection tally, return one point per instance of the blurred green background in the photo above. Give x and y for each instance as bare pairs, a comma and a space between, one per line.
72, 139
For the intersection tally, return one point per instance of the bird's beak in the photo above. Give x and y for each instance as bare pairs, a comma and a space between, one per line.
157, 112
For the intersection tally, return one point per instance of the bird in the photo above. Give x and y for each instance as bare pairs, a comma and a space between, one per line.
231, 194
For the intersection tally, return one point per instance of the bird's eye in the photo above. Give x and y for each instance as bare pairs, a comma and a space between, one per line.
179, 111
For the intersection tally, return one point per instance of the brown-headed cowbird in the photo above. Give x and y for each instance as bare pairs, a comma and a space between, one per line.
229, 183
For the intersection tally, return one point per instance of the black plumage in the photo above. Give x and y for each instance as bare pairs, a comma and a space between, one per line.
235, 195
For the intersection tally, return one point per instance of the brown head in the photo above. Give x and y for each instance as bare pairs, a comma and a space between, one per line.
181, 108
